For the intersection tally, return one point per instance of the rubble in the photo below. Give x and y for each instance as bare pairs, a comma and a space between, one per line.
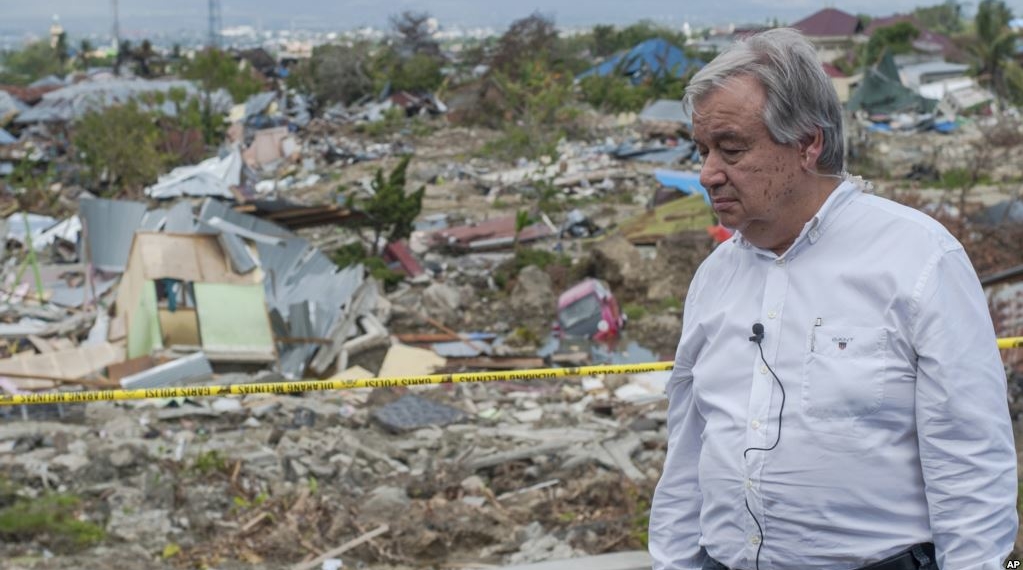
231, 271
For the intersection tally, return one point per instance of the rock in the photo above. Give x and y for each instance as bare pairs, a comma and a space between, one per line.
122, 458
533, 294
385, 501
473, 484
442, 302
621, 264
678, 257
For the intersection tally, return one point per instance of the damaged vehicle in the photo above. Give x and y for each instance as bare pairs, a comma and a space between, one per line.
589, 309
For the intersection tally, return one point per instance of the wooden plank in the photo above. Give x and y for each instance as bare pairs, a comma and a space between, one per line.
119, 370
65, 365
496, 362
179, 327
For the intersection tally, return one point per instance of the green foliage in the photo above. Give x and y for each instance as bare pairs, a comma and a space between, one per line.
35, 61
390, 212
897, 38
607, 40
394, 120
417, 73
670, 304
51, 519
209, 462
119, 144
215, 69
537, 108
336, 73
634, 312
993, 48
613, 93
944, 18
352, 253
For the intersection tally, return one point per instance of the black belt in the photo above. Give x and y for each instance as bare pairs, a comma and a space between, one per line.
919, 556
913, 558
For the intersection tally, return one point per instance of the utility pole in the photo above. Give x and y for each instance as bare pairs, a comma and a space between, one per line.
117, 40
214, 24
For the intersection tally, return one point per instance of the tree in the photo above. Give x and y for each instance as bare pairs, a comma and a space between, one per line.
897, 38
27, 65
85, 47
527, 40
993, 47
944, 18
119, 146
63, 52
415, 37
335, 74
143, 55
390, 212
604, 40
215, 69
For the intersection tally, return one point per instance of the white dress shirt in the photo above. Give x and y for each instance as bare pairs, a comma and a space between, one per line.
895, 428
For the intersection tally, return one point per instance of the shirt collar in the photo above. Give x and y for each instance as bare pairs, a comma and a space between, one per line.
812, 231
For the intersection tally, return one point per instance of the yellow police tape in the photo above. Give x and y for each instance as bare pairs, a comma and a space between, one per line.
320, 385
1011, 342
323, 385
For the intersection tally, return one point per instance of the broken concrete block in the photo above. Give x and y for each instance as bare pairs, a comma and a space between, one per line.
411, 412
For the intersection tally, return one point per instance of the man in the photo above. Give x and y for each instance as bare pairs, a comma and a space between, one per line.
865, 423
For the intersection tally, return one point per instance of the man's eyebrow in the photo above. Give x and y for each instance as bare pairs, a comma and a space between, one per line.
718, 136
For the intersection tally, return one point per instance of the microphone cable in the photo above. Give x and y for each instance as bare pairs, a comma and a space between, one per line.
757, 338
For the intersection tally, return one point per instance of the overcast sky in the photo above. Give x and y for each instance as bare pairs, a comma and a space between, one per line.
34, 16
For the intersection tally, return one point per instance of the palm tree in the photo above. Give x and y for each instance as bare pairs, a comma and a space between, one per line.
993, 47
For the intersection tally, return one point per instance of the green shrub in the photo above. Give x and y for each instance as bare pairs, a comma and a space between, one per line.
51, 519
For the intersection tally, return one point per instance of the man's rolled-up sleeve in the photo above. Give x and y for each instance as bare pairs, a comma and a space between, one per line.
965, 433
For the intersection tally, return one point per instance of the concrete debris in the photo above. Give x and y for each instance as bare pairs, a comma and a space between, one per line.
245, 267
411, 412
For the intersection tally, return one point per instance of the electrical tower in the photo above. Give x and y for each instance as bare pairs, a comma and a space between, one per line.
215, 24
117, 28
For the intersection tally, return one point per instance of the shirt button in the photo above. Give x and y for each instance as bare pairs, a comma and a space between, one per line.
754, 540
815, 234
772, 314
755, 424
763, 369
749, 483
779, 261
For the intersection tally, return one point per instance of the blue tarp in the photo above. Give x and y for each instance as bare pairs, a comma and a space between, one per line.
686, 182
7, 138
655, 57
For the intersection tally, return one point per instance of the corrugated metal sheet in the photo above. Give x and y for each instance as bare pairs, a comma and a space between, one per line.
211, 177
459, 349
66, 296
153, 221
217, 209
237, 252
188, 370
109, 227
180, 219
74, 101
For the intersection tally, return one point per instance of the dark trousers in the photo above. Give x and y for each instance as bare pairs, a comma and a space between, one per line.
919, 557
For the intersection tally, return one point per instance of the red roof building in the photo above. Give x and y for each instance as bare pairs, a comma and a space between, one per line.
829, 23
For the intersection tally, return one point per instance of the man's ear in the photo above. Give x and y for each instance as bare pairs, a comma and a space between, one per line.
810, 149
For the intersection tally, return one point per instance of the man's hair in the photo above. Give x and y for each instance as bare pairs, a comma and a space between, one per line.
800, 96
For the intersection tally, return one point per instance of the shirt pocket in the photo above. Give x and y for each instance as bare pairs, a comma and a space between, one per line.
843, 374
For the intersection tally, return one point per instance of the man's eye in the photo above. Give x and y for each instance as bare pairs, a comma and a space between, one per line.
731, 151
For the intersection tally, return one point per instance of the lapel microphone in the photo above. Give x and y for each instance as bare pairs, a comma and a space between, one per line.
758, 333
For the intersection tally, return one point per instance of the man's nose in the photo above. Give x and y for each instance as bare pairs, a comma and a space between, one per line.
711, 174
